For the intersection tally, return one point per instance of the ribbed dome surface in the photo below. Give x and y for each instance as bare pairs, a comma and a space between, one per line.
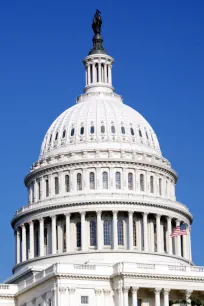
100, 122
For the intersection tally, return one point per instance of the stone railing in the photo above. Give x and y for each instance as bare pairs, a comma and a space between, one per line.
6, 289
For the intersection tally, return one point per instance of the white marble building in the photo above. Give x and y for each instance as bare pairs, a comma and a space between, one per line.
101, 208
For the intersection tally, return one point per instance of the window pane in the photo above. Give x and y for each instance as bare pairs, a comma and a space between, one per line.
47, 188
84, 299
151, 184
78, 234
92, 180
93, 233
160, 186
120, 233
130, 181
134, 234
92, 129
102, 129
67, 187
122, 130
107, 232
56, 185
82, 130
141, 182
79, 181
132, 131
105, 180
113, 129
118, 180
72, 132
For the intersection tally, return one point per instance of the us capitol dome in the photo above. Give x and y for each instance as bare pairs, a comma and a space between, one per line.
102, 225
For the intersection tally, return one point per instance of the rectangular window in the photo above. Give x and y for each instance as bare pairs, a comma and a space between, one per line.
84, 299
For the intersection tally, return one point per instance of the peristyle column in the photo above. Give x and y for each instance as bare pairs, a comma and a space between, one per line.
125, 296
166, 296
41, 221
115, 230
157, 296
23, 242
169, 239
31, 239
178, 240
130, 229
17, 246
145, 232
99, 230
67, 216
83, 231
53, 234
158, 224
134, 295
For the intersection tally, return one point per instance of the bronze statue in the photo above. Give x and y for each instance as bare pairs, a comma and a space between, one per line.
97, 22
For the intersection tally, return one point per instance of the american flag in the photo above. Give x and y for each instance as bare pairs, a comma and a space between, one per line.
179, 230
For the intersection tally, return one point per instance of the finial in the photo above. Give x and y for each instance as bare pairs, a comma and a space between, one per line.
97, 39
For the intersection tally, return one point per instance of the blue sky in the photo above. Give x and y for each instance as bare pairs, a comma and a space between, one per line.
158, 48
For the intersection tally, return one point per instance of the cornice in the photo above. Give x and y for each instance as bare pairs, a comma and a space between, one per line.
96, 202
6, 297
159, 277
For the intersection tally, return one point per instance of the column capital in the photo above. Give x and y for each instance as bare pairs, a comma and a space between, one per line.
67, 215
126, 289
169, 218
178, 222
83, 213
188, 293
115, 212
62, 289
41, 219
134, 289
22, 225
158, 216
99, 212
98, 291
71, 290
107, 291
30, 222
166, 291
130, 212
53, 217
145, 213
157, 290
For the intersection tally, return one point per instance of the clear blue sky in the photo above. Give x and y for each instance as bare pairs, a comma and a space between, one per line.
158, 48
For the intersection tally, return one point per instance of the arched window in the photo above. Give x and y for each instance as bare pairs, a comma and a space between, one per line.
166, 191
97, 73
67, 184
132, 131
151, 184
107, 232
130, 181
56, 136
64, 134
50, 139
78, 234
82, 130
147, 136
120, 233
160, 186
93, 233
140, 133
47, 188
113, 129
122, 130
72, 132
39, 190
79, 181
118, 180
56, 185
102, 129
92, 180
141, 182
134, 233
92, 129
105, 180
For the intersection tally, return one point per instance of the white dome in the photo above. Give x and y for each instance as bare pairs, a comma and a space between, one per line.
80, 128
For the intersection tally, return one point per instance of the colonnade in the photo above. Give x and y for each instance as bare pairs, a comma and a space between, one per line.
98, 72
138, 231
